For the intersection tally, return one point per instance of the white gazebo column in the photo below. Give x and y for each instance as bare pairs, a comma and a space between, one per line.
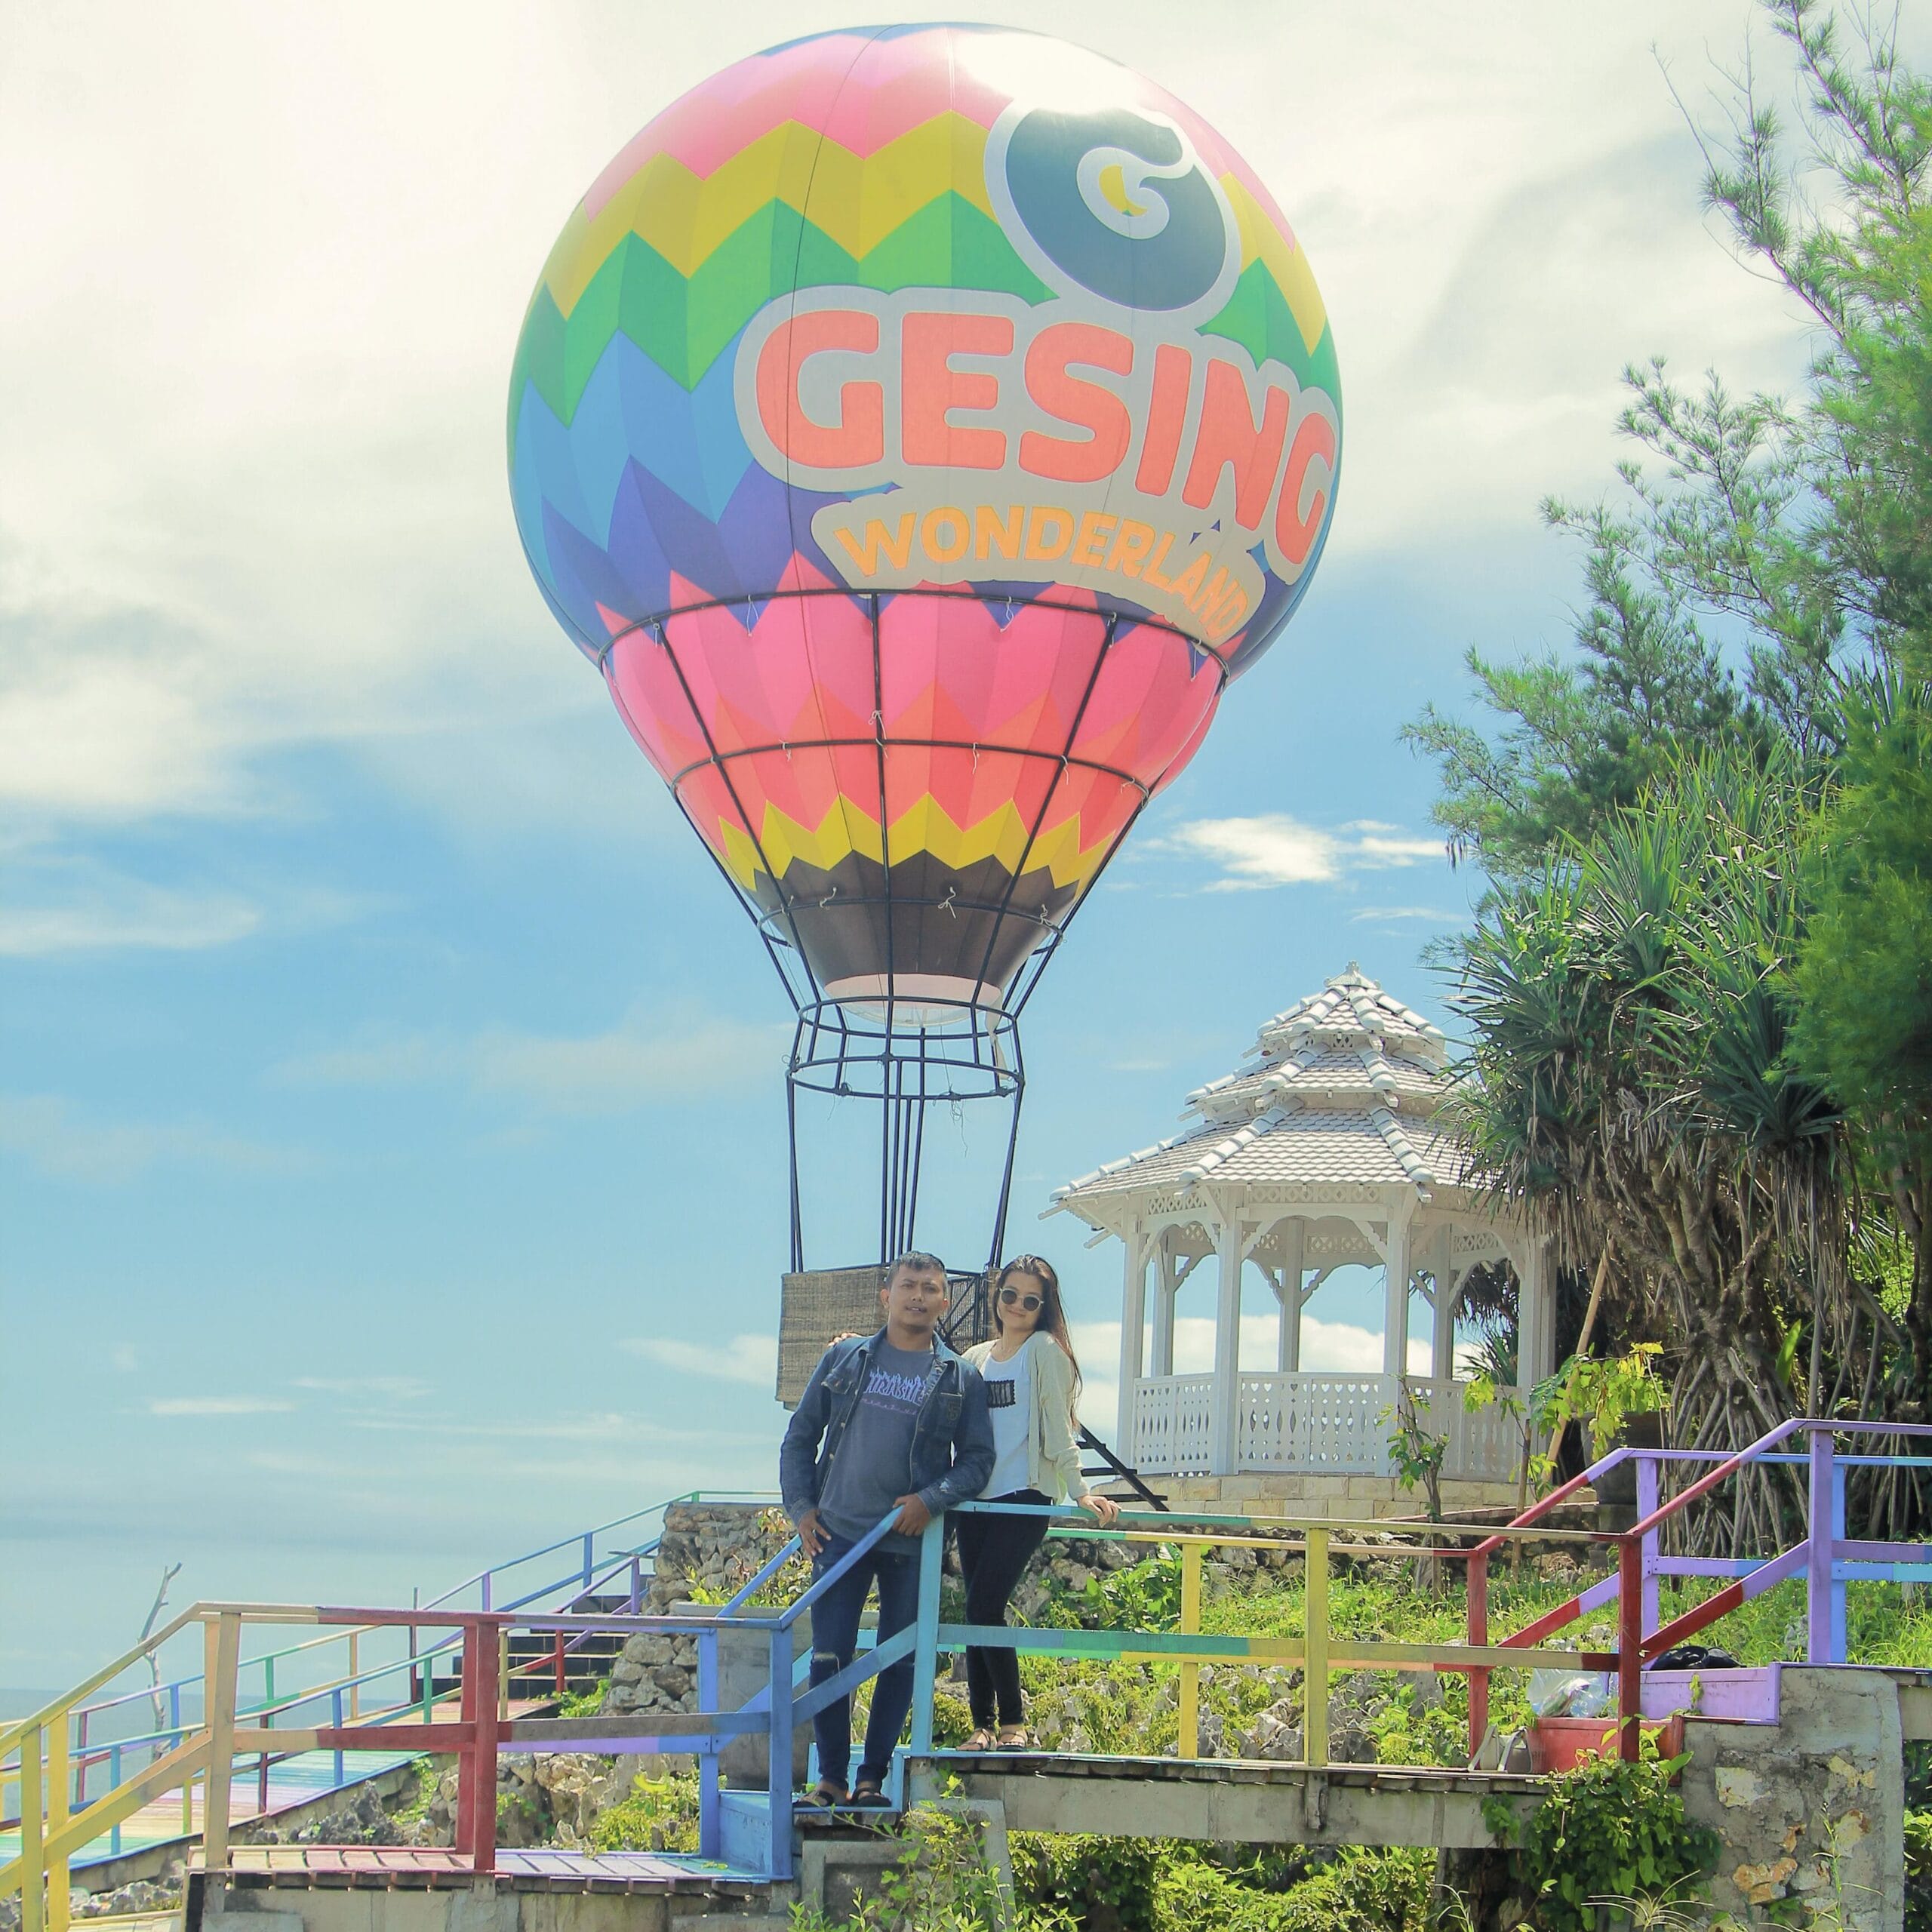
1442, 1352
1294, 1248
1396, 1298
1165, 1294
1133, 1318
1535, 1328
1224, 1437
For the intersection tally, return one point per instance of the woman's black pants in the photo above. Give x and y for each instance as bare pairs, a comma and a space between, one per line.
994, 1552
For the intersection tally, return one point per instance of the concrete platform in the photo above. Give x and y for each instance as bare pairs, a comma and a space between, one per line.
1230, 1800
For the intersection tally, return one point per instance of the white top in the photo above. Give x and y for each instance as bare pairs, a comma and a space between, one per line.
1010, 1405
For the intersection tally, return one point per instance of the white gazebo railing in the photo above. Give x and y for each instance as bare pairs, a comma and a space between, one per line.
1173, 1421
1330, 1424
1324, 1424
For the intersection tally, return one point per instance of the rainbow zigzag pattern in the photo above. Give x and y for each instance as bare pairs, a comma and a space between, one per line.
852, 158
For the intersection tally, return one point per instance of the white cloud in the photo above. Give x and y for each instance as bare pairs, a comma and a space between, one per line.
1434, 914
219, 1405
1273, 849
278, 506
393, 1388
1339, 1348
752, 1359
653, 1054
56, 1138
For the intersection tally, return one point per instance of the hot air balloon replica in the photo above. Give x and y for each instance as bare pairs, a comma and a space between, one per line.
920, 428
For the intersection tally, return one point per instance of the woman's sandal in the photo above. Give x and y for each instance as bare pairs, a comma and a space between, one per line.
980, 1741
867, 1796
824, 1796
1013, 1737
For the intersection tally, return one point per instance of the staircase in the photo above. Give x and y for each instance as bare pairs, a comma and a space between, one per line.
585, 1660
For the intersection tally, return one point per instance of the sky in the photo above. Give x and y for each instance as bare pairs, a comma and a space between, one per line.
391, 1156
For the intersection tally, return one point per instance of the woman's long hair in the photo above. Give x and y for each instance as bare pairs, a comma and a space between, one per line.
1053, 1315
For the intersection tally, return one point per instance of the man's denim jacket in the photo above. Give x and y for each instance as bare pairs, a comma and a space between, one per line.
952, 1434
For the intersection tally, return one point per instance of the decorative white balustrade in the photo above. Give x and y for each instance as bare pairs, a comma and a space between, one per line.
1172, 1418
1315, 1424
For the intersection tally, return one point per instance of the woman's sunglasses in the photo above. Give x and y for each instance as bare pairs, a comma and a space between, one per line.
1013, 1298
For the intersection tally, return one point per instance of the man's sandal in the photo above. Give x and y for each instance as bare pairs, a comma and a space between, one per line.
824, 1796
981, 1740
1013, 1737
867, 1796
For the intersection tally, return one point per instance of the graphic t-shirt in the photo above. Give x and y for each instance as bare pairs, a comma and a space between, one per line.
1010, 1403
873, 1466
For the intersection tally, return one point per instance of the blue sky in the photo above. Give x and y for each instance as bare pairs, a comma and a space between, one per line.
391, 1128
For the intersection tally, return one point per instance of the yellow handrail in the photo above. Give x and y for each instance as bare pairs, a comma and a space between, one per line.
62, 1706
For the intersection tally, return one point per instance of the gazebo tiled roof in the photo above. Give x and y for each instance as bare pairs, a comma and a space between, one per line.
1347, 1091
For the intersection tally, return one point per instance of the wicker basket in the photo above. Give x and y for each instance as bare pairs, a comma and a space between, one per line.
817, 1307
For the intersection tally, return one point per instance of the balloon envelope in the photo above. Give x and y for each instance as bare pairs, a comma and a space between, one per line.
920, 426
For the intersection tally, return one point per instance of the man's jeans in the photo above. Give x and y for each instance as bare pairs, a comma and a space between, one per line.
835, 1639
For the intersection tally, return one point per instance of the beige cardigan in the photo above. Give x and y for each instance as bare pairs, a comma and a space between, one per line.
1053, 1456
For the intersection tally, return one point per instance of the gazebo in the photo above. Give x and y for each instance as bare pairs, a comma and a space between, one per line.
1326, 1152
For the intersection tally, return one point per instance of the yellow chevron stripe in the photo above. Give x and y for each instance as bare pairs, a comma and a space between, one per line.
856, 200
923, 827
1261, 241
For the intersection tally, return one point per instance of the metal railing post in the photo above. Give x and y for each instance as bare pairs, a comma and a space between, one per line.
1629, 1647
1820, 1553
491, 1642
33, 1863
335, 1718
1650, 1471
1314, 1652
1478, 1635
1189, 1745
472, 1667
709, 1811
113, 1781
57, 1819
590, 1559
925, 1646
778, 1787
220, 1676
355, 1676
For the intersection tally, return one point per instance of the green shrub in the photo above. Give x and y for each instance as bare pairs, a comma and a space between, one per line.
1607, 1830
1357, 1891
660, 1814
1918, 1871
1106, 1884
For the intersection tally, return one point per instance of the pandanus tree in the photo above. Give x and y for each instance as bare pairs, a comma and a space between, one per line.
1633, 1094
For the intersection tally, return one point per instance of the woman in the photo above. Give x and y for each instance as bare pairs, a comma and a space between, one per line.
1032, 1382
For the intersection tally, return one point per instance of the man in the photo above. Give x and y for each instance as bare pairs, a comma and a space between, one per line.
894, 1424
